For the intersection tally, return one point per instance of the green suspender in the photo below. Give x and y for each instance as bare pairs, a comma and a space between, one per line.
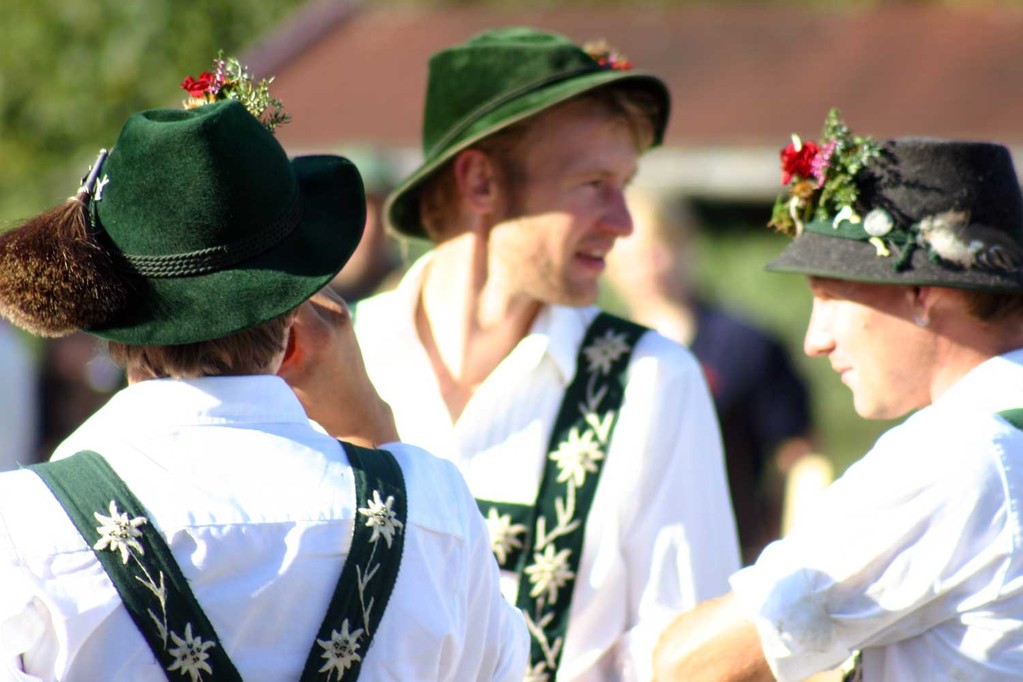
1014, 417
139, 563
547, 559
370, 571
157, 595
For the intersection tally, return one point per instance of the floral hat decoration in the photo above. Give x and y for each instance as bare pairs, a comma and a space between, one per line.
912, 210
231, 80
194, 226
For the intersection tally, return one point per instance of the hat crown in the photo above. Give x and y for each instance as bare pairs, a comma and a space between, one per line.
185, 181
916, 178
468, 80
926, 212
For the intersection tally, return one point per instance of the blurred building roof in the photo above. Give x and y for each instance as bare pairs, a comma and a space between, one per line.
741, 77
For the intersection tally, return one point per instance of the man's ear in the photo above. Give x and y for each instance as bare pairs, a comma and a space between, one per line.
924, 301
476, 178
291, 353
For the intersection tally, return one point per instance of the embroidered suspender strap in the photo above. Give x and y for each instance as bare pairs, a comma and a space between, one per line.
140, 565
548, 560
370, 571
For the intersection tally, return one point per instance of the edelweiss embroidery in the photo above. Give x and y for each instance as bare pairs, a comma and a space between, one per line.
381, 518
190, 655
504, 535
605, 351
341, 650
549, 572
577, 457
119, 533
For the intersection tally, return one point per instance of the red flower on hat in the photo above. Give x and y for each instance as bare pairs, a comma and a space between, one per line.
797, 159
198, 87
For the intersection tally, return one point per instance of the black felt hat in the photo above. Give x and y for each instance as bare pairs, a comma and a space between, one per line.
914, 211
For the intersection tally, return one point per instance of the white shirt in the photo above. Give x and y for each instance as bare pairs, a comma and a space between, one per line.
258, 508
914, 555
661, 534
18, 410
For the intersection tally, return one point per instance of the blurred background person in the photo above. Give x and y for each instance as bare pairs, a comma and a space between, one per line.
761, 401
18, 434
76, 378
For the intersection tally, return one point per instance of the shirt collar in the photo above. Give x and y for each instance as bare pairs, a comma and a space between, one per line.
995, 384
559, 330
209, 400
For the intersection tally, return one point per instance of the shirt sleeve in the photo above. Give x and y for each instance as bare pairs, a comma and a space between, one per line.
24, 623
903, 541
680, 541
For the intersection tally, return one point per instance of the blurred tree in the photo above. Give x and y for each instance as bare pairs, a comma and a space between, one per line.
71, 72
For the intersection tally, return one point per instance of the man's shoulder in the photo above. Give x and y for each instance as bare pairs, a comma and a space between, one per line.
668, 355
439, 498
26, 505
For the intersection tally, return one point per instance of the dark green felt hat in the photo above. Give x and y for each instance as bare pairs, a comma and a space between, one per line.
219, 229
913, 211
499, 78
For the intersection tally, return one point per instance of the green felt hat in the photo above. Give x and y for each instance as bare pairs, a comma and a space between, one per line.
499, 78
218, 228
912, 211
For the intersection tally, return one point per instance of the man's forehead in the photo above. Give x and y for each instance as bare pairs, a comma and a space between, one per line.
579, 140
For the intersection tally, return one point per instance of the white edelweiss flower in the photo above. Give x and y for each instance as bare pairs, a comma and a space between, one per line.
549, 572
503, 534
577, 456
605, 350
538, 673
381, 518
878, 222
119, 533
190, 655
341, 650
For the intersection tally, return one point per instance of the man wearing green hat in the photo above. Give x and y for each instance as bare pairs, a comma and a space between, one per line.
200, 526
911, 567
590, 443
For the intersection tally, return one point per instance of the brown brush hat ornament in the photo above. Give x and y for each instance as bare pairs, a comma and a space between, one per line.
55, 276
914, 210
195, 226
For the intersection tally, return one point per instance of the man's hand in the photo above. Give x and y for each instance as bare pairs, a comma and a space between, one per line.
324, 367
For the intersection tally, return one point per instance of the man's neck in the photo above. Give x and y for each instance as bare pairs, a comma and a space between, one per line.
467, 321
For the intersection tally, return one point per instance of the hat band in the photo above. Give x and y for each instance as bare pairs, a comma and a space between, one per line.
900, 239
501, 100
220, 257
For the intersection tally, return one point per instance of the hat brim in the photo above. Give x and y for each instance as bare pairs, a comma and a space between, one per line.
402, 206
177, 310
818, 255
